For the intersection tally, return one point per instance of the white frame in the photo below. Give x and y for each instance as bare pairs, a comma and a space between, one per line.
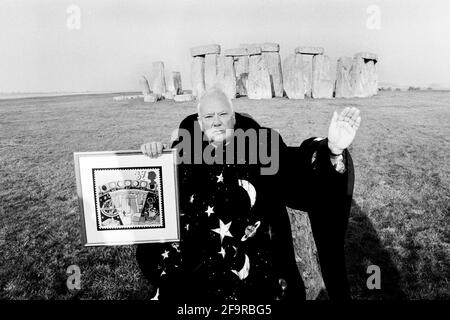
88, 164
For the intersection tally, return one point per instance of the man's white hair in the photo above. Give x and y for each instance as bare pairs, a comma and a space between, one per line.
215, 91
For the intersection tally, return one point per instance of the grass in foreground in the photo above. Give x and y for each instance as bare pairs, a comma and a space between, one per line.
399, 220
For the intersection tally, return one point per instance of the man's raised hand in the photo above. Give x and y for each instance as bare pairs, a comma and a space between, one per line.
343, 129
153, 149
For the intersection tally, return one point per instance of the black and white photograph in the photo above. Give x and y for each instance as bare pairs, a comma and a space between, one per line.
225, 157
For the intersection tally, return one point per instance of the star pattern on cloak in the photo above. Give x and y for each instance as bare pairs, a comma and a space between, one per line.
223, 230
220, 178
165, 254
209, 210
222, 252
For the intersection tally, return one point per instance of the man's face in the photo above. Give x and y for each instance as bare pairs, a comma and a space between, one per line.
216, 119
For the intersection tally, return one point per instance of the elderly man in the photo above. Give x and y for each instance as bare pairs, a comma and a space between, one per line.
236, 241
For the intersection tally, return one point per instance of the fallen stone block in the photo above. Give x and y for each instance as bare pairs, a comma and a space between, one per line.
183, 97
152, 97
168, 95
131, 97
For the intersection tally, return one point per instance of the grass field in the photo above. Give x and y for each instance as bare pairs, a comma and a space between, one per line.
399, 219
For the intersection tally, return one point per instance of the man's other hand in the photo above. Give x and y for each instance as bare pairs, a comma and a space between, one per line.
153, 149
343, 129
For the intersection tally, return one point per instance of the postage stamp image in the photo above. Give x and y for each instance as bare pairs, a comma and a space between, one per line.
128, 198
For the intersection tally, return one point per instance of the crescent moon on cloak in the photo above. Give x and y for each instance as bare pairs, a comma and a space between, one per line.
243, 273
250, 190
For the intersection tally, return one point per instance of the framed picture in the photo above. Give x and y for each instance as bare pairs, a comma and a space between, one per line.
126, 197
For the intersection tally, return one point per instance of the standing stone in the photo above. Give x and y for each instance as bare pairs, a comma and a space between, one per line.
322, 83
259, 86
145, 88
227, 76
293, 82
273, 63
359, 78
158, 81
198, 76
307, 75
174, 86
364, 77
211, 70
372, 77
343, 79
241, 65
241, 68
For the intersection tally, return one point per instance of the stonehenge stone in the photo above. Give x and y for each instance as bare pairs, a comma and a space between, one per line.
211, 70
307, 75
174, 86
183, 97
364, 78
309, 50
151, 97
241, 68
372, 77
265, 47
366, 55
145, 88
236, 52
273, 63
158, 81
254, 50
258, 85
359, 78
204, 50
293, 76
168, 95
226, 76
343, 80
241, 65
198, 76
322, 83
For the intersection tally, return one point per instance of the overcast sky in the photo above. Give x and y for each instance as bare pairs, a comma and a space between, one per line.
42, 48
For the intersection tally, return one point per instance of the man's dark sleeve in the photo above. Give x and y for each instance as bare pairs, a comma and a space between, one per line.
312, 184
